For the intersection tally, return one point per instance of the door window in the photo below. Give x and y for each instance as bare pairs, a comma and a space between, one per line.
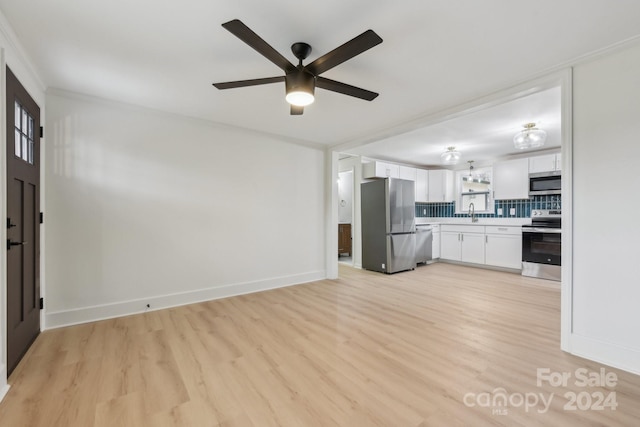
23, 134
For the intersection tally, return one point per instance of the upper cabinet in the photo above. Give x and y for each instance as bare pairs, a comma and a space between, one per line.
407, 172
378, 169
422, 185
441, 186
511, 179
546, 163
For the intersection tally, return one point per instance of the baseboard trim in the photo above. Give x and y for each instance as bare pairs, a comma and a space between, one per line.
4, 387
109, 311
606, 353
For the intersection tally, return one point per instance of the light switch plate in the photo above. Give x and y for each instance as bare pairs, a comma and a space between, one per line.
512, 211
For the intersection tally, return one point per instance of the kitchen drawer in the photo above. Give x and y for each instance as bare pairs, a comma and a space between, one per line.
462, 228
500, 229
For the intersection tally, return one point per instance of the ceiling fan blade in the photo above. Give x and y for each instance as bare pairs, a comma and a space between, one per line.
296, 111
345, 89
244, 33
252, 82
337, 56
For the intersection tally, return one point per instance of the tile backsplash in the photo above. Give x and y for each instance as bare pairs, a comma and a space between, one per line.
522, 207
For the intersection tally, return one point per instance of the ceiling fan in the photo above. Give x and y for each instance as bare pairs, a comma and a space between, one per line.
301, 80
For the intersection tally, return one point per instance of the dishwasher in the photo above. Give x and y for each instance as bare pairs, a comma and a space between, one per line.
424, 243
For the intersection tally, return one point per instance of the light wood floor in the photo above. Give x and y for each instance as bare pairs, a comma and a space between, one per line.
366, 350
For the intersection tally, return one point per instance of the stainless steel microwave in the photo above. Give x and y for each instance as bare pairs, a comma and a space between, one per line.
545, 183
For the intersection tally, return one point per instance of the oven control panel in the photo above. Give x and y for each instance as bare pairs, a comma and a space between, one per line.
545, 213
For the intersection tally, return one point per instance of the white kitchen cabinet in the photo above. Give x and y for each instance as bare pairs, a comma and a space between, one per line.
472, 248
511, 179
462, 243
503, 246
422, 185
441, 186
450, 247
546, 163
407, 172
378, 169
435, 248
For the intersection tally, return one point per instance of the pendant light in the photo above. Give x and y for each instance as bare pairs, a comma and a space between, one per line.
450, 157
470, 177
529, 137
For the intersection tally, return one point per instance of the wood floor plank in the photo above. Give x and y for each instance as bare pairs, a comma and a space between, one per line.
418, 348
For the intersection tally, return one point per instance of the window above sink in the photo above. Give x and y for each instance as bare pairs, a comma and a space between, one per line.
474, 186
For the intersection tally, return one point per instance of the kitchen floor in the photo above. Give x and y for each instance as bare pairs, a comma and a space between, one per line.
441, 345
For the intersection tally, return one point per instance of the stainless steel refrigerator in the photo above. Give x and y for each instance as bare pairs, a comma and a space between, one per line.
388, 225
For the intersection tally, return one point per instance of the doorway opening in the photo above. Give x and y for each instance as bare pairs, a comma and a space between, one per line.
345, 217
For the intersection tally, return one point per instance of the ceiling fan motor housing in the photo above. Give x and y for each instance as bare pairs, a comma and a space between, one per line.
300, 81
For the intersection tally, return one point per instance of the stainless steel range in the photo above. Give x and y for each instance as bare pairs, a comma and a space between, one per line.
542, 245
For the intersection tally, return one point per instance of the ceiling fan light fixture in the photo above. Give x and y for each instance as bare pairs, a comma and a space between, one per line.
529, 137
300, 98
450, 157
300, 88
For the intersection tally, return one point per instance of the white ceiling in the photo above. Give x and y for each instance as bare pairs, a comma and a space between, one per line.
483, 135
436, 54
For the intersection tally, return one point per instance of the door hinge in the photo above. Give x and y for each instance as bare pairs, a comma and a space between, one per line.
41, 303
41, 217
41, 132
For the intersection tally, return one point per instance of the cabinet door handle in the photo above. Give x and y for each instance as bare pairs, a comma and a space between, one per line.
462, 237
486, 239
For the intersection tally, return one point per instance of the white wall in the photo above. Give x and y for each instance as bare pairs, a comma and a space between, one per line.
606, 152
345, 195
146, 207
12, 55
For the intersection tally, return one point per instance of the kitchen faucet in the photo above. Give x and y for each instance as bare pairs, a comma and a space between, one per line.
472, 212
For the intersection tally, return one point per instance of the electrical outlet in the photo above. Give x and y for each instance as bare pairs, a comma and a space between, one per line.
499, 211
383, 266
512, 211
424, 211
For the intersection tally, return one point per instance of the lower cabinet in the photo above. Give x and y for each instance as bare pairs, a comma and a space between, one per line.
503, 246
478, 244
435, 254
462, 243
450, 247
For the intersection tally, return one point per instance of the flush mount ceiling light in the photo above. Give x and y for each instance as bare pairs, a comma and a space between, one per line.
529, 137
450, 157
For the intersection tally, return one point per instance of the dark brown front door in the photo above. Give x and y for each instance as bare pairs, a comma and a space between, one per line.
23, 224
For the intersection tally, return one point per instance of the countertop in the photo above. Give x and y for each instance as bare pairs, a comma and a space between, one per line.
481, 221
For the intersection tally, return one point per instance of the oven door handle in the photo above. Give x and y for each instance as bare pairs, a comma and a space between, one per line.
541, 230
